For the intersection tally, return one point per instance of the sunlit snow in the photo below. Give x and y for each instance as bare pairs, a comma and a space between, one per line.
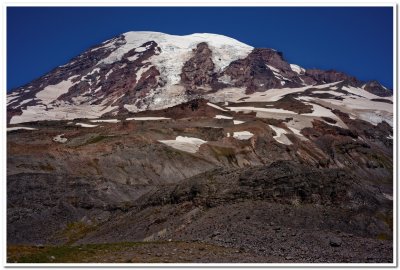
187, 144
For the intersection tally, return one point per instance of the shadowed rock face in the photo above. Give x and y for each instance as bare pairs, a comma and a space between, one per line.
376, 88
198, 70
254, 74
330, 76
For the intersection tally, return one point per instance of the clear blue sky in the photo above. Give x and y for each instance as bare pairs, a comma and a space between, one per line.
356, 40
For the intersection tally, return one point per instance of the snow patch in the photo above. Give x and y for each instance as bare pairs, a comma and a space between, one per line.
97, 89
93, 71
361, 92
187, 144
223, 117
320, 111
297, 69
226, 79
141, 49
108, 73
328, 92
388, 196
280, 135
105, 121
147, 118
24, 102
273, 69
216, 107
19, 128
52, 92
133, 57
86, 125
242, 135
141, 71
296, 131
60, 139
12, 97
237, 122
61, 111
376, 117
234, 94
256, 109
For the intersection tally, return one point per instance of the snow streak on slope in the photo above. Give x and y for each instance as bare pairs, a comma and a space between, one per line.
297, 69
280, 135
20, 128
52, 92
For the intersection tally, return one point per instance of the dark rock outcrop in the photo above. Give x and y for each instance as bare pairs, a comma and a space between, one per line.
376, 88
330, 76
198, 70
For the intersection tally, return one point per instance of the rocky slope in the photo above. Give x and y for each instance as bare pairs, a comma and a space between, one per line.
201, 141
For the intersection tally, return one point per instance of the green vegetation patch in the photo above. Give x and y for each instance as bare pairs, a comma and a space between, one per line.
96, 139
75, 231
63, 254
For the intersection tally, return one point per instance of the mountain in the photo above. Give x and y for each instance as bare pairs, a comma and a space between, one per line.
158, 148
140, 71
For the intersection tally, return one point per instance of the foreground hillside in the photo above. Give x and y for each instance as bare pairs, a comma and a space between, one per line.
275, 194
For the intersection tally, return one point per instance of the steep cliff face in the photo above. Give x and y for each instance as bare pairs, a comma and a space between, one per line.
198, 70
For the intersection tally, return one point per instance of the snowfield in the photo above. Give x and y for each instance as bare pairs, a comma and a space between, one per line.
52, 92
234, 94
320, 111
175, 50
187, 144
63, 112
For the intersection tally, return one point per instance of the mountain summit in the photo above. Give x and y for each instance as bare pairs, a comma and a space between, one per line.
139, 71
